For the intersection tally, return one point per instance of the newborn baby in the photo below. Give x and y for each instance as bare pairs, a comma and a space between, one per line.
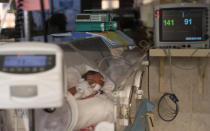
83, 89
90, 103
90, 85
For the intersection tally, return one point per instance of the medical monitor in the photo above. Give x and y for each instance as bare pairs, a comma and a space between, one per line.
183, 25
31, 75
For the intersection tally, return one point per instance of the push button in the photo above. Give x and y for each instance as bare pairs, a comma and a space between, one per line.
49, 63
41, 69
19, 69
26, 69
34, 69
5, 69
49, 58
11, 69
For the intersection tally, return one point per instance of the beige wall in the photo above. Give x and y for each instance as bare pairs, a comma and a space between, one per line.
194, 112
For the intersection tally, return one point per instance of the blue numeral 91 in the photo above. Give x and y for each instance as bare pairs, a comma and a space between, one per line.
187, 21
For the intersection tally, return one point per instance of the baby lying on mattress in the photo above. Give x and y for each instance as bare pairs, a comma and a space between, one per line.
90, 85
90, 89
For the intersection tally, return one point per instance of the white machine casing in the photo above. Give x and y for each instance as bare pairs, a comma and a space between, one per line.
40, 90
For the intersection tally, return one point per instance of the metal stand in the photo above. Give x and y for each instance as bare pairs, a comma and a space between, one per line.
3, 121
33, 120
43, 21
27, 26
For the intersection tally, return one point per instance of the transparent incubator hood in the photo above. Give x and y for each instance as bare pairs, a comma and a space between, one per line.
84, 55
94, 53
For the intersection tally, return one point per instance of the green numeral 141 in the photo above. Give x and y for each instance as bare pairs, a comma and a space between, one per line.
168, 22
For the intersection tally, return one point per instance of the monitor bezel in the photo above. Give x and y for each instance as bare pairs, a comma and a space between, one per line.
179, 44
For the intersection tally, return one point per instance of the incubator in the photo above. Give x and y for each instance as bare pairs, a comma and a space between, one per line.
115, 108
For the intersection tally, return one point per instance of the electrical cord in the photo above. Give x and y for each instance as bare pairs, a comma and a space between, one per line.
166, 110
168, 107
171, 73
142, 75
196, 50
146, 48
184, 68
188, 68
148, 80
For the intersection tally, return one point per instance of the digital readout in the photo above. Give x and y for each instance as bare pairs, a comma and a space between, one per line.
24, 61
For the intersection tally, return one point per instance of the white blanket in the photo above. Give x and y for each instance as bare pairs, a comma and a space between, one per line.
94, 110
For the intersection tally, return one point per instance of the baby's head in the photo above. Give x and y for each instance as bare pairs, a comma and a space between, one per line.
94, 78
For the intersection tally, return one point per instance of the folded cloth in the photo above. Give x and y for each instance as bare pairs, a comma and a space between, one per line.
140, 123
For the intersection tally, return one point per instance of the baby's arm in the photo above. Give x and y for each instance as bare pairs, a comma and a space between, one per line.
77, 92
73, 90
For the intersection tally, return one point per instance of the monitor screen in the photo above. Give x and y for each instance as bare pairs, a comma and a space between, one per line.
83, 17
183, 24
24, 61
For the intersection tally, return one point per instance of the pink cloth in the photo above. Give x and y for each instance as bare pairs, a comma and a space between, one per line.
31, 5
89, 128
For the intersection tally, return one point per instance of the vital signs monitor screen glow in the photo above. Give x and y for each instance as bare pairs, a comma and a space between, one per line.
183, 24
24, 61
